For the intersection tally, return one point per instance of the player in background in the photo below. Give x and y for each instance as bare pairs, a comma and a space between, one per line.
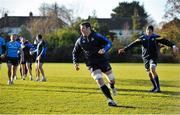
149, 43
40, 57
26, 58
12, 50
2, 49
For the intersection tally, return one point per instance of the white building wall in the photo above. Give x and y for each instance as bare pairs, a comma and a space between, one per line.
11, 30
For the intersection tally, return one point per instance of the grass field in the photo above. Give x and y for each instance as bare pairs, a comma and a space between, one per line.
68, 91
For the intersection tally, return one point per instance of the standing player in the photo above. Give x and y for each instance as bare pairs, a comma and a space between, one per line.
41, 53
26, 58
12, 50
149, 43
2, 49
94, 46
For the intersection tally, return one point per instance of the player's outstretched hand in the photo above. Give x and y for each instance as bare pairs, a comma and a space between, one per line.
101, 51
121, 51
175, 51
2, 56
77, 67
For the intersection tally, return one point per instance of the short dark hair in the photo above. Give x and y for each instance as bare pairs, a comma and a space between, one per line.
39, 36
150, 27
86, 24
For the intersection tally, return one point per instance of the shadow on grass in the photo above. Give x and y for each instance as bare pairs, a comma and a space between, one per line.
170, 93
142, 82
89, 90
127, 107
53, 88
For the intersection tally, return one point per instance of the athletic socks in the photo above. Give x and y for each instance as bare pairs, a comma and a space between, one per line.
153, 82
111, 85
157, 82
106, 91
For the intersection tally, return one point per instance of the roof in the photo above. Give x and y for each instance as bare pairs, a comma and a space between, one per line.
123, 23
16, 21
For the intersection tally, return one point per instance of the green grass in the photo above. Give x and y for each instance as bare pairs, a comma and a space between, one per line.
68, 91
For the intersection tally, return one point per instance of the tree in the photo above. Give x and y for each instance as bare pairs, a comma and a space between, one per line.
127, 10
3, 11
60, 44
52, 18
171, 31
172, 9
25, 33
60, 12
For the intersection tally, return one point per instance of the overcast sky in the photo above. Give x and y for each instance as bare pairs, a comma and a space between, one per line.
82, 8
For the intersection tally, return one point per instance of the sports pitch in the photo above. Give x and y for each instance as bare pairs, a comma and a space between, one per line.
70, 92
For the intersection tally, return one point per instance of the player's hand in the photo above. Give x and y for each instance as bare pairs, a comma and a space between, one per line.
3, 56
31, 52
101, 51
22, 46
175, 50
76, 67
121, 51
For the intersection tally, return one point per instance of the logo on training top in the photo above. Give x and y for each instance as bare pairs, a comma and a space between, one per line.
13, 46
92, 39
83, 41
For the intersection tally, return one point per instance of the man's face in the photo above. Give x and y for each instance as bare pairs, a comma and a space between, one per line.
13, 37
149, 31
85, 31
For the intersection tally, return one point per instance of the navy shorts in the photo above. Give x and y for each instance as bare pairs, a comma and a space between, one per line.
103, 66
26, 60
13, 60
148, 62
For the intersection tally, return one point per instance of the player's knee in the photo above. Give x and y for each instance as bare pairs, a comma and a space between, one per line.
100, 82
152, 67
111, 77
97, 76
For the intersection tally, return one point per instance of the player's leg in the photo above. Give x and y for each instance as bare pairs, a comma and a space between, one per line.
111, 79
9, 65
152, 81
29, 69
147, 66
15, 63
153, 66
106, 68
37, 71
22, 65
97, 75
13, 72
41, 61
42, 72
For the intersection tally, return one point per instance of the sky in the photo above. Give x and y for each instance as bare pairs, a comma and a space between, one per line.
82, 8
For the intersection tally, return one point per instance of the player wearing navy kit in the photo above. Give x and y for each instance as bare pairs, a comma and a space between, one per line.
26, 58
40, 57
149, 43
95, 48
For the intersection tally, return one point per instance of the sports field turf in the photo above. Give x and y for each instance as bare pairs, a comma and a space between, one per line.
68, 91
